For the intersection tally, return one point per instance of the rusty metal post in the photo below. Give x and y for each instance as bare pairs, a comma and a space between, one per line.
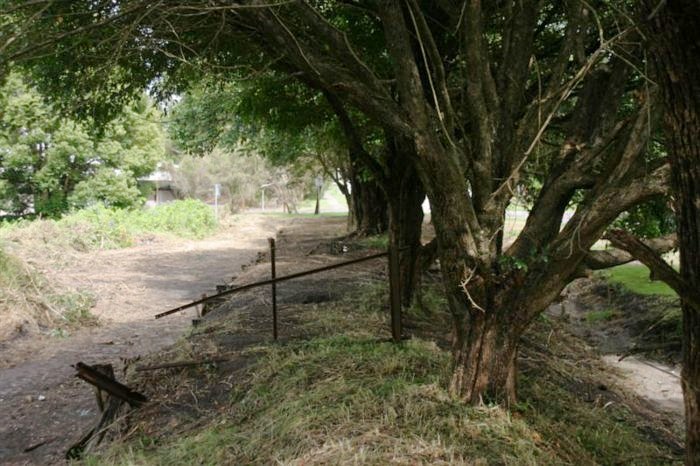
274, 288
395, 294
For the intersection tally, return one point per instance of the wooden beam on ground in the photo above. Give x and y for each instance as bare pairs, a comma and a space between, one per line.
114, 388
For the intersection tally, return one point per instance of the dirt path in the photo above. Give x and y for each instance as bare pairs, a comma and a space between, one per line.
42, 403
653, 381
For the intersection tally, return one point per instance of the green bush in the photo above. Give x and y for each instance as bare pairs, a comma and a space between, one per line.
189, 218
99, 227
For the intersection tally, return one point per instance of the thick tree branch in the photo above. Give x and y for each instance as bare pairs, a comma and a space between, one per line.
482, 102
434, 68
599, 260
659, 268
335, 69
356, 148
408, 79
574, 169
512, 79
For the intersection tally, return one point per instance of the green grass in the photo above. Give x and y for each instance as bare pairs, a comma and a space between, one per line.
333, 192
349, 400
636, 279
351, 397
101, 228
353, 400
600, 316
305, 215
375, 241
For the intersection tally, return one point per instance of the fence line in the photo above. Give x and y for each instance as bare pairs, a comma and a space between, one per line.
394, 287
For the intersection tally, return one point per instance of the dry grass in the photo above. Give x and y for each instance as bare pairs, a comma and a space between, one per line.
336, 391
348, 396
29, 303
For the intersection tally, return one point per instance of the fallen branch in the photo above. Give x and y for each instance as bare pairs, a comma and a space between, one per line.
647, 348
598, 260
111, 386
97, 433
101, 376
37, 445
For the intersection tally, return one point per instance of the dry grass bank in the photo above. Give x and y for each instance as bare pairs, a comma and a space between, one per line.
336, 391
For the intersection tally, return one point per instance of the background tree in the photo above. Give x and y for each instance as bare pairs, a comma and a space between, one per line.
283, 120
50, 164
241, 174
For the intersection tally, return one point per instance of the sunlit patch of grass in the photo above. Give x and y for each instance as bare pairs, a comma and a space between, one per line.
600, 316
636, 279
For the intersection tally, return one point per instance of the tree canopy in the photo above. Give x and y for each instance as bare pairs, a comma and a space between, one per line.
50, 163
475, 100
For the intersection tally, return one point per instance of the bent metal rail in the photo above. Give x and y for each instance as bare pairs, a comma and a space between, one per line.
395, 292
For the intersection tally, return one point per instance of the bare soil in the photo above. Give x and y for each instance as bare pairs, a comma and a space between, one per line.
45, 408
654, 376
181, 399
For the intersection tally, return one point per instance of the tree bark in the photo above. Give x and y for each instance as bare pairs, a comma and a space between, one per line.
485, 349
672, 25
405, 230
371, 209
405, 195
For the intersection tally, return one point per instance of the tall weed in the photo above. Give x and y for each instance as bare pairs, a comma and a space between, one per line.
99, 227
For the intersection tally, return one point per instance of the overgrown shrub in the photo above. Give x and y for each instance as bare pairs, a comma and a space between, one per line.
99, 227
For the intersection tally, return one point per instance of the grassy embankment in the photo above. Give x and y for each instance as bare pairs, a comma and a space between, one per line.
348, 396
102, 228
28, 302
636, 279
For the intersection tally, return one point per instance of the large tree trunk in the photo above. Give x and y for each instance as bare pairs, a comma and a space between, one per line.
368, 211
367, 198
485, 339
675, 54
485, 349
405, 230
371, 208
